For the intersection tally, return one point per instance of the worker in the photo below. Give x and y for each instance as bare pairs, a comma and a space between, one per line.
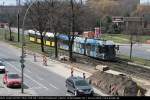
84, 75
34, 57
44, 60
72, 70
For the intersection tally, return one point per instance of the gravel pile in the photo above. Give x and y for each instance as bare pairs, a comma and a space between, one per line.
116, 85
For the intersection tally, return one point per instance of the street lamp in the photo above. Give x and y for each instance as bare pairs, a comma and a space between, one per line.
18, 19
22, 61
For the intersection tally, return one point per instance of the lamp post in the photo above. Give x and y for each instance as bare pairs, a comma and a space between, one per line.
22, 61
18, 20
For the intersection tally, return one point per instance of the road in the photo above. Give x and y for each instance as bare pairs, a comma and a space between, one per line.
39, 81
139, 50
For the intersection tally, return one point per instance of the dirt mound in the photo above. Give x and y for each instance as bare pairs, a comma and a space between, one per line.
116, 85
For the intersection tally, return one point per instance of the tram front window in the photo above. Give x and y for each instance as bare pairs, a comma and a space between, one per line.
109, 49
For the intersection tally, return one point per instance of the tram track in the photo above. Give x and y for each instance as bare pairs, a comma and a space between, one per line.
118, 65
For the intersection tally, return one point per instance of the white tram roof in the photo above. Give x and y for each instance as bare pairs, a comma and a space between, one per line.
31, 31
110, 42
49, 34
79, 39
94, 41
37, 33
34, 32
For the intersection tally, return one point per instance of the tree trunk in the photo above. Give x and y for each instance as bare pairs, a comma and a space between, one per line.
10, 33
42, 44
56, 49
70, 52
85, 46
131, 46
71, 49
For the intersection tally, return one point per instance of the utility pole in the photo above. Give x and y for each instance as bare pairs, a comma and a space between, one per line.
22, 61
18, 19
73, 29
100, 27
131, 46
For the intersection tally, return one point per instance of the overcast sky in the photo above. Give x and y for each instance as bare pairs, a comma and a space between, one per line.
9, 2
13, 2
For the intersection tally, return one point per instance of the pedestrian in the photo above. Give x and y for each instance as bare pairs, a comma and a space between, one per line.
44, 60
34, 57
72, 72
84, 75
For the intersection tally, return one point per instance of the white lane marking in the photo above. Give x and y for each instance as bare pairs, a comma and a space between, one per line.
53, 86
41, 85
68, 94
29, 71
36, 88
41, 79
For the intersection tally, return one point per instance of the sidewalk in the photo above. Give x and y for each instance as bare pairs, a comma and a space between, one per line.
62, 69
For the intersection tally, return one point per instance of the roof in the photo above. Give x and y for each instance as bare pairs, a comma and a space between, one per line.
94, 41
49, 34
76, 78
109, 42
63, 37
79, 39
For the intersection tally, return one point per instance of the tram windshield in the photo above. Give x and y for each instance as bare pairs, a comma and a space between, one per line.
108, 49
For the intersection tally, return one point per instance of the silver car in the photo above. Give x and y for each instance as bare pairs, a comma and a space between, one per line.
2, 67
79, 86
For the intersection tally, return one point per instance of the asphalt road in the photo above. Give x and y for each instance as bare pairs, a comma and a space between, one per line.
139, 50
37, 79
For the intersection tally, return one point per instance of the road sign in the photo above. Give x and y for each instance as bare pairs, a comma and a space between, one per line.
22, 66
22, 60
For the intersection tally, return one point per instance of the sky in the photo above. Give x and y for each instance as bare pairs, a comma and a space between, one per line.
9, 2
13, 2
144, 1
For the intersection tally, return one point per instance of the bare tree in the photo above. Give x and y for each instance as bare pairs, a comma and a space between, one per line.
76, 17
63, 16
54, 17
11, 19
39, 17
134, 26
75, 8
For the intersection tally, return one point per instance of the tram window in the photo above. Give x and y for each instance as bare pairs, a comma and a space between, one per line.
93, 47
77, 44
82, 46
106, 49
101, 49
110, 49
88, 46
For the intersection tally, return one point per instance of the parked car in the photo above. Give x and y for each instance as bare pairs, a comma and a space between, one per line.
12, 80
2, 67
79, 86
